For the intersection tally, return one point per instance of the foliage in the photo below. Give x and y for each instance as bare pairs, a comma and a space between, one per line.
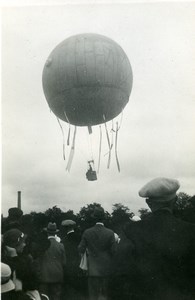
182, 201
144, 213
120, 215
85, 215
184, 209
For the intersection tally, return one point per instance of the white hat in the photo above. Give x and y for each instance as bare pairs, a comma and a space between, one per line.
68, 223
160, 189
136, 218
6, 283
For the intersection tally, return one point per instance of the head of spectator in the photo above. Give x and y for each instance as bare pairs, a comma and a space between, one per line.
38, 244
15, 213
52, 229
14, 239
160, 193
7, 284
68, 226
13, 219
98, 215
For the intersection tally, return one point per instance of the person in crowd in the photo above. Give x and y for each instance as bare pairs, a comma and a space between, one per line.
13, 219
121, 277
164, 247
24, 272
12, 248
74, 279
8, 287
100, 244
52, 264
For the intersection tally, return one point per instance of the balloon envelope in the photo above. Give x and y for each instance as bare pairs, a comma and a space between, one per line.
87, 79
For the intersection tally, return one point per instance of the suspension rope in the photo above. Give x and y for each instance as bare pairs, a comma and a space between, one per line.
69, 129
90, 129
90, 145
116, 141
71, 155
100, 148
109, 144
120, 120
63, 138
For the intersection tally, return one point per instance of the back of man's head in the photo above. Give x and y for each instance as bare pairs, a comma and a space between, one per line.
160, 192
98, 214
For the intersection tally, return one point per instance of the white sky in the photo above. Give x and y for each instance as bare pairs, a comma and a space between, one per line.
157, 134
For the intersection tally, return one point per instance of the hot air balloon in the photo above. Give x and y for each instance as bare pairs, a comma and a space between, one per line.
87, 80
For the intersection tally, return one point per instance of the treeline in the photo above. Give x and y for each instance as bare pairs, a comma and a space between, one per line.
35, 221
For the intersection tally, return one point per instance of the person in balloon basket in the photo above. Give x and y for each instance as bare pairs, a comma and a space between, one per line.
164, 247
100, 244
52, 265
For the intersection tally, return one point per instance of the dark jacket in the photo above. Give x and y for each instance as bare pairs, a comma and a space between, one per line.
71, 242
100, 243
164, 257
52, 263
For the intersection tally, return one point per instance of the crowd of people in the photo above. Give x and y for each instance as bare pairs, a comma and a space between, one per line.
150, 259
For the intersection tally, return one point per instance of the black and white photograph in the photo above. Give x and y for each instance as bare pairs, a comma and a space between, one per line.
97, 150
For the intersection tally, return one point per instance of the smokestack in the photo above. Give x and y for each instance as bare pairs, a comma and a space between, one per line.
19, 199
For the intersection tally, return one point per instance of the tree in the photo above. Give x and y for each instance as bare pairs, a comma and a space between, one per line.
85, 215
144, 213
184, 207
39, 221
182, 201
120, 215
53, 214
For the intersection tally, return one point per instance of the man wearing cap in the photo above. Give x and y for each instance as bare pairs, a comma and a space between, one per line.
52, 265
164, 247
100, 244
73, 279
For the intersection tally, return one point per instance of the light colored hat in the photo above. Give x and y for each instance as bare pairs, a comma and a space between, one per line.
52, 228
68, 223
6, 283
160, 189
136, 218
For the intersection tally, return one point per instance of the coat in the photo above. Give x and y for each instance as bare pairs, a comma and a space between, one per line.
71, 242
100, 243
52, 263
164, 256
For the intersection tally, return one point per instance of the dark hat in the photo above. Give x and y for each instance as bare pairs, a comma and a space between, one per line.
98, 213
13, 237
52, 228
15, 212
68, 223
160, 189
6, 283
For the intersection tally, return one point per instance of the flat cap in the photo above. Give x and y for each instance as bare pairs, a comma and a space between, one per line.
160, 189
68, 223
